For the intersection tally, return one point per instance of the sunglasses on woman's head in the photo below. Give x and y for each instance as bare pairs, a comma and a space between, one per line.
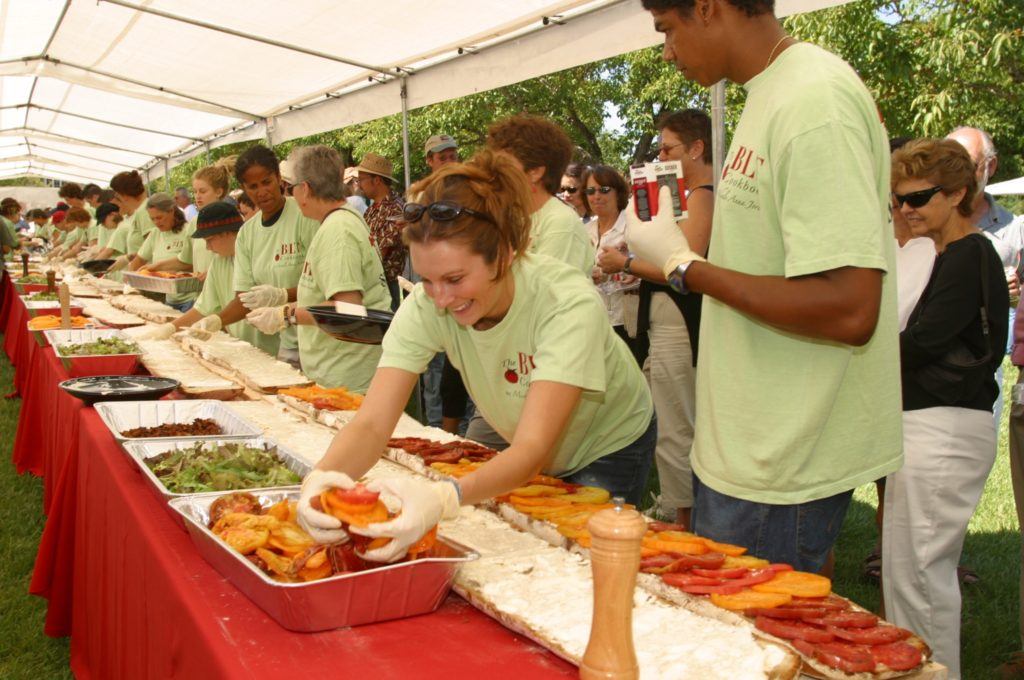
916, 199
569, 190
441, 211
604, 190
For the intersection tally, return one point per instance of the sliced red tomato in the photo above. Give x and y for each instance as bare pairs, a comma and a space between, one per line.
357, 495
656, 564
792, 630
899, 656
779, 566
705, 561
877, 635
755, 577
804, 647
658, 527
846, 620
689, 579
739, 572
831, 603
786, 612
723, 589
845, 657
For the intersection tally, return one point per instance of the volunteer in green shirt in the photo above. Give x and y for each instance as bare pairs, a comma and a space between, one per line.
217, 223
133, 230
159, 252
532, 341
108, 216
798, 380
76, 226
543, 151
9, 211
341, 265
269, 252
74, 195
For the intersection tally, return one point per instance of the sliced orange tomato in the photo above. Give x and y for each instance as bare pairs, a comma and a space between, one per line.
746, 599
545, 501
683, 547
537, 490
424, 544
797, 584
744, 561
724, 548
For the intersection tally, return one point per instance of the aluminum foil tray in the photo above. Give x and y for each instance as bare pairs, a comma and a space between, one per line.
127, 415
88, 364
141, 450
49, 304
155, 284
388, 592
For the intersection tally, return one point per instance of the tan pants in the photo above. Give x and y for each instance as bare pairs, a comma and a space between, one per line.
672, 377
1017, 475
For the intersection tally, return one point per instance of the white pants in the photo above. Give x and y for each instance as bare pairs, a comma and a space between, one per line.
672, 376
948, 453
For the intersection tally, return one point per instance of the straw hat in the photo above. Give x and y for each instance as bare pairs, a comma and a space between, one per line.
375, 164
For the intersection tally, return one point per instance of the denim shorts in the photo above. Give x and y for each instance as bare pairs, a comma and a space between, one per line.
624, 472
182, 306
801, 535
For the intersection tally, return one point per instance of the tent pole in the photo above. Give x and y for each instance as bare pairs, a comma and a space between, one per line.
718, 128
405, 128
167, 176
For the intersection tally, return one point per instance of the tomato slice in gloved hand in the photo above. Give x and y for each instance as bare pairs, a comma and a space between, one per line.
899, 656
876, 635
845, 657
847, 620
792, 630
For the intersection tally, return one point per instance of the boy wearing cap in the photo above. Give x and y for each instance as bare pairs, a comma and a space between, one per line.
440, 150
217, 224
384, 217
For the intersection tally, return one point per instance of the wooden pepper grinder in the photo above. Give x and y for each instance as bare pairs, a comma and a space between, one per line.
64, 295
616, 535
24, 264
51, 281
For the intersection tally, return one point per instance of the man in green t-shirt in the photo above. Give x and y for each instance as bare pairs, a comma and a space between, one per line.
798, 392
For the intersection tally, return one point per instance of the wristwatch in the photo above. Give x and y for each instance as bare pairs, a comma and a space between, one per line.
628, 264
677, 279
289, 315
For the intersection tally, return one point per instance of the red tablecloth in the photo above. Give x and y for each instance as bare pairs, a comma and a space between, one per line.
145, 604
19, 345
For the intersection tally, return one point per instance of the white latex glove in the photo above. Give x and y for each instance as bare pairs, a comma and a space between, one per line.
159, 332
120, 263
37, 241
660, 241
205, 327
325, 529
263, 296
423, 505
269, 320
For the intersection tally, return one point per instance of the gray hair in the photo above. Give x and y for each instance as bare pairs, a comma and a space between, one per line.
162, 202
321, 168
988, 147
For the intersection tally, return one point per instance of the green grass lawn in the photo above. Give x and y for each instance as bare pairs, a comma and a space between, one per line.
990, 607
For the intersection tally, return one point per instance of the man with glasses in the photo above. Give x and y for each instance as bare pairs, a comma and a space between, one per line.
384, 217
798, 382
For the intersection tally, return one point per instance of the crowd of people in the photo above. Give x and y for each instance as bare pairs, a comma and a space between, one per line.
851, 297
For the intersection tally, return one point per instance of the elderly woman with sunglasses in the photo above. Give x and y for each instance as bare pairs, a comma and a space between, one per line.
341, 265
532, 342
949, 352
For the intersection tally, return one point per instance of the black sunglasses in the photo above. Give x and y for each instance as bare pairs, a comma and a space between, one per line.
441, 211
604, 190
569, 190
916, 199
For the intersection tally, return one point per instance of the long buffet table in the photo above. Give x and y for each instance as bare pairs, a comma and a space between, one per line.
124, 581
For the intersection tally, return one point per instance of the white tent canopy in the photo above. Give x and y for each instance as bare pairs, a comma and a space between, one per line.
92, 87
1008, 188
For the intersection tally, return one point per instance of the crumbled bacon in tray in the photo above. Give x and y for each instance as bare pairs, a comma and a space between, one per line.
201, 427
436, 452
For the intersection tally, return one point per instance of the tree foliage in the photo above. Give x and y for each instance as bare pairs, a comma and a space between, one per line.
931, 65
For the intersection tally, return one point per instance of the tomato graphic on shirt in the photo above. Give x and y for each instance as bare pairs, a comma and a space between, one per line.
511, 376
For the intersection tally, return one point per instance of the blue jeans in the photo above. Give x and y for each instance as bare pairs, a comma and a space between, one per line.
432, 390
801, 535
623, 472
182, 306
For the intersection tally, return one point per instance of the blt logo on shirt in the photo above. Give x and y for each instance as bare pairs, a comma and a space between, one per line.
516, 373
287, 251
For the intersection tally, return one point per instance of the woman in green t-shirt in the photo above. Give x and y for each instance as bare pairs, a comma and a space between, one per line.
533, 344
159, 252
341, 265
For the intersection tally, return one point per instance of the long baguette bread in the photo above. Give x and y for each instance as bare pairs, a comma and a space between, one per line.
252, 366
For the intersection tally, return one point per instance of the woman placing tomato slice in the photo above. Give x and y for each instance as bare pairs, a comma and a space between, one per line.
532, 342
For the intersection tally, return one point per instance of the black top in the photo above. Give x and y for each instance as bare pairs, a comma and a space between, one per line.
689, 306
948, 315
